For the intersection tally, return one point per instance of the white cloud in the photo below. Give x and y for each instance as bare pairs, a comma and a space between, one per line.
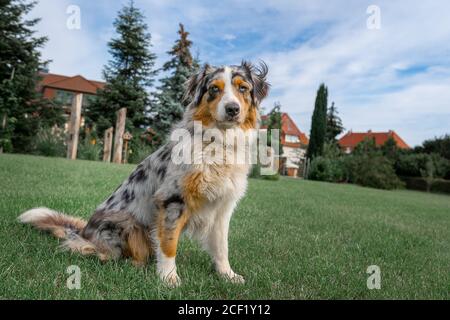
229, 37
370, 73
361, 67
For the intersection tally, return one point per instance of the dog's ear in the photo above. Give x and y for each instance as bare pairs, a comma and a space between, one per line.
258, 75
195, 86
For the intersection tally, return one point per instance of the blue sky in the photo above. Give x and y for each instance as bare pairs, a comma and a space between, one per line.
396, 77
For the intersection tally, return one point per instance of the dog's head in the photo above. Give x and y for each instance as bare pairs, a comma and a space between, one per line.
228, 96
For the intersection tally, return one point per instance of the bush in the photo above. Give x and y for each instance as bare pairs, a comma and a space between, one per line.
440, 186
372, 170
255, 171
326, 169
412, 165
420, 184
273, 177
87, 150
138, 151
49, 143
439, 146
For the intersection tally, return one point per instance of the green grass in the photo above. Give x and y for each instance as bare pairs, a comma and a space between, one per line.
291, 239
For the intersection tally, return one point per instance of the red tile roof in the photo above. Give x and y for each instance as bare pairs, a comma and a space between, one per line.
73, 84
288, 127
351, 139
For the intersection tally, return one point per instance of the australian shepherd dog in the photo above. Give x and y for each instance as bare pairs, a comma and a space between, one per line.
162, 199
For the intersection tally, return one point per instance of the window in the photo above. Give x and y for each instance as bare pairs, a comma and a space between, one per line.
64, 97
292, 139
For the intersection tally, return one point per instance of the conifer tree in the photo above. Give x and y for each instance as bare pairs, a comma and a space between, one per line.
334, 124
318, 123
22, 109
169, 106
129, 74
274, 122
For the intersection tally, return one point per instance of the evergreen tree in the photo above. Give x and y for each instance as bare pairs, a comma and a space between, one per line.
274, 122
169, 107
22, 110
390, 149
334, 124
318, 123
129, 74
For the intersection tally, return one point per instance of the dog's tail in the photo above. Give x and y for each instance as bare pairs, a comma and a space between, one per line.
61, 226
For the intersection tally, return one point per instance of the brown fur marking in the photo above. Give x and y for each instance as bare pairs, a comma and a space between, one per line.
138, 246
168, 237
56, 224
192, 185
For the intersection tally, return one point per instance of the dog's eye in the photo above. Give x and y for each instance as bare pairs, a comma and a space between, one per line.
243, 89
214, 89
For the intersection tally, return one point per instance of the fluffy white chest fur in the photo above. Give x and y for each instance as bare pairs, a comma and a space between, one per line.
224, 189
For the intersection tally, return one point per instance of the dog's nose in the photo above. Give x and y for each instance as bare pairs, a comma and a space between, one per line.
232, 109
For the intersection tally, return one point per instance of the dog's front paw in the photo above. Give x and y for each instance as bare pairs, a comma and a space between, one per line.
233, 277
172, 280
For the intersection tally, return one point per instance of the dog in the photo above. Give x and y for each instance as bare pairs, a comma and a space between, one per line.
160, 200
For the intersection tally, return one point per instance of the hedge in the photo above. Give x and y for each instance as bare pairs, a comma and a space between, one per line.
420, 184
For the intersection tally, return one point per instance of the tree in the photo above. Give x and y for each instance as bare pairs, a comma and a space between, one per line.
169, 106
129, 73
274, 121
440, 146
318, 123
390, 149
334, 124
22, 109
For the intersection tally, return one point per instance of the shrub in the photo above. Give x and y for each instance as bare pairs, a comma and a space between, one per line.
372, 170
439, 146
413, 165
415, 183
440, 186
87, 150
49, 143
273, 177
138, 151
326, 169
409, 165
255, 171
420, 184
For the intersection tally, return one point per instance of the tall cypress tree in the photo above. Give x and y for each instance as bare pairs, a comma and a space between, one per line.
129, 74
22, 110
334, 124
169, 107
318, 123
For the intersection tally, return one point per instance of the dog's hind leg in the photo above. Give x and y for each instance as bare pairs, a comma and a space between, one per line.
138, 245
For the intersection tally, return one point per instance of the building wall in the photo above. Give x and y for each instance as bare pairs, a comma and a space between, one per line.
293, 157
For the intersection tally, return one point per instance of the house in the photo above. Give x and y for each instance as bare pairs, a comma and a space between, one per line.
349, 141
294, 143
74, 93
65, 88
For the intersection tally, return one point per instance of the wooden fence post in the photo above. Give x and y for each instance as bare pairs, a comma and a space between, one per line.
118, 137
3, 128
107, 144
126, 138
74, 126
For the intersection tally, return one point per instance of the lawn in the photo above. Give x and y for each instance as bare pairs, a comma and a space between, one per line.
291, 239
